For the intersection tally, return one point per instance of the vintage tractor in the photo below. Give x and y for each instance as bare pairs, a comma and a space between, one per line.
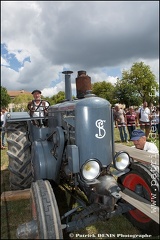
75, 149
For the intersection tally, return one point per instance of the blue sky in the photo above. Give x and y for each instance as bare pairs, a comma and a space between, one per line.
10, 59
40, 39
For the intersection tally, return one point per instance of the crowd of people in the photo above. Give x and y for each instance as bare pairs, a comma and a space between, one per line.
146, 118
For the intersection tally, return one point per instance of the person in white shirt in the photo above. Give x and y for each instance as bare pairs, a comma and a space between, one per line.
3, 121
144, 119
38, 107
139, 139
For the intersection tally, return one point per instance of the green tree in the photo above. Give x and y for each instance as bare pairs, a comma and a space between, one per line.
104, 90
21, 102
57, 98
5, 98
137, 85
49, 99
125, 93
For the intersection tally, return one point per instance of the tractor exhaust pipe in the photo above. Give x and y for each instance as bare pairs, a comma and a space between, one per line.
68, 90
83, 84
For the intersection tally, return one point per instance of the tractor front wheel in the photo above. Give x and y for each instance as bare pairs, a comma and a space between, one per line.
45, 211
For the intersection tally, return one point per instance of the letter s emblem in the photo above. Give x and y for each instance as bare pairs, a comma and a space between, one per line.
101, 131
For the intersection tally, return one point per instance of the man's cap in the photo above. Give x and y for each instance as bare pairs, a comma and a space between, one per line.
36, 91
137, 134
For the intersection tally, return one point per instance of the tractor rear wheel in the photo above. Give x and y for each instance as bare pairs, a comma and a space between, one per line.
141, 175
19, 153
45, 211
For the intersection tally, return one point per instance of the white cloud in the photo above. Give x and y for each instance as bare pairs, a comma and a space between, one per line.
92, 36
20, 55
48, 92
4, 62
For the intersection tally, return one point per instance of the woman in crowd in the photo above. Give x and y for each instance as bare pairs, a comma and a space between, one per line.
131, 117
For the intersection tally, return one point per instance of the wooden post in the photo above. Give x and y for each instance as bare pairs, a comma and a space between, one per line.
16, 195
140, 203
138, 155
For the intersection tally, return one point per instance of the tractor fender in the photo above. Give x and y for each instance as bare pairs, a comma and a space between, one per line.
44, 164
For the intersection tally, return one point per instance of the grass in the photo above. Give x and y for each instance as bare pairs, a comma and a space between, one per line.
17, 212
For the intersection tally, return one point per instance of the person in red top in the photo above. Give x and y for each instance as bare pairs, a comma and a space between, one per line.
131, 117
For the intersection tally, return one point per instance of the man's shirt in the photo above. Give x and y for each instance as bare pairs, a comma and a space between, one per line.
150, 147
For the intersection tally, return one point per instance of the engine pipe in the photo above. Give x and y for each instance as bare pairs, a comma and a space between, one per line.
68, 90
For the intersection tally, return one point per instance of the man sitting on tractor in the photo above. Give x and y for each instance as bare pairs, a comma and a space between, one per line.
38, 107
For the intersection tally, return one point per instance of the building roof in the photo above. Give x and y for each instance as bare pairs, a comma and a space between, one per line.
15, 93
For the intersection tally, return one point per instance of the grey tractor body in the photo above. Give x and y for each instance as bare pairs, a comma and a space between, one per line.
75, 146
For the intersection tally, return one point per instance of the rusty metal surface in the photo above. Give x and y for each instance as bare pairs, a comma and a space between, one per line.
83, 84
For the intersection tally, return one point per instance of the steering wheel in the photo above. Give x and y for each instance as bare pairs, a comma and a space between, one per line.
45, 108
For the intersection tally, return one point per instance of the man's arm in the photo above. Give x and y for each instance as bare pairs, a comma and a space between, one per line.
30, 108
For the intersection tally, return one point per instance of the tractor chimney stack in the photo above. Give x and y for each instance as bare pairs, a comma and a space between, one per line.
68, 90
83, 84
